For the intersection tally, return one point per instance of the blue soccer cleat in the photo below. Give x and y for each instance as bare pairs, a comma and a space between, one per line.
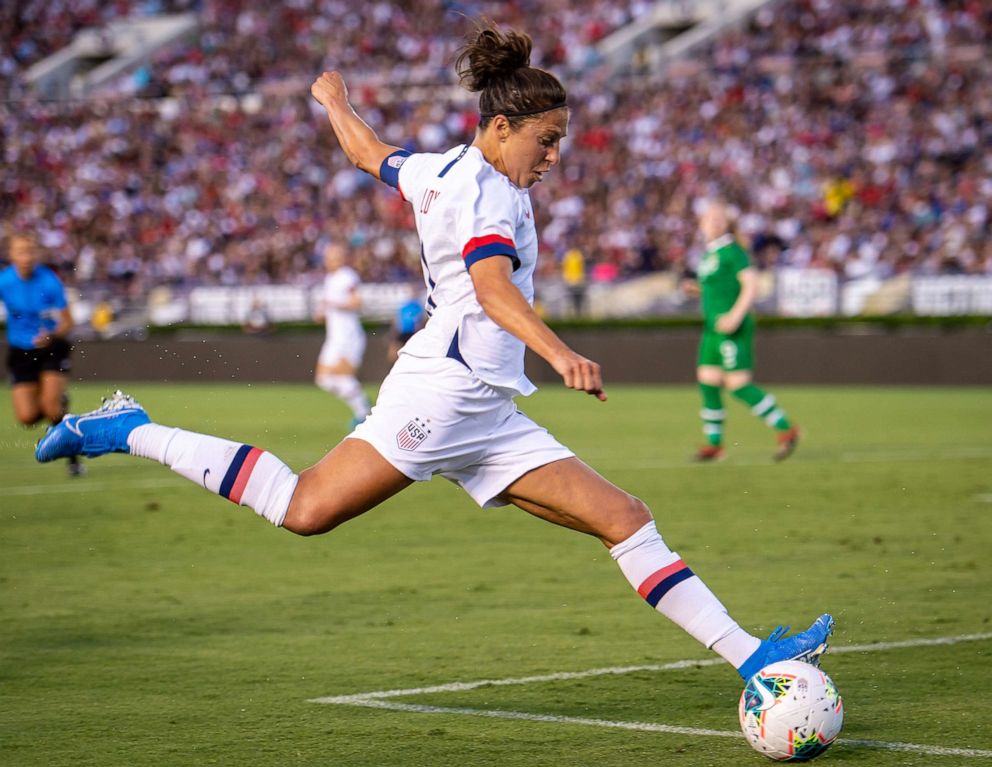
807, 647
98, 432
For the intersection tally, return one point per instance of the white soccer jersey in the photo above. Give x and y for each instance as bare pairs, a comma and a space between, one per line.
338, 288
466, 211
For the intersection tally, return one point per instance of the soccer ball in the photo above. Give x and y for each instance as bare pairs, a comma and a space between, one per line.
790, 711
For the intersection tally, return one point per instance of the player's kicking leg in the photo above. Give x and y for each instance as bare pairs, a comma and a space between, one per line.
350, 480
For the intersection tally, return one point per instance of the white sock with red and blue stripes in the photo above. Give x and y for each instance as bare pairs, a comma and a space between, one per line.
667, 584
241, 473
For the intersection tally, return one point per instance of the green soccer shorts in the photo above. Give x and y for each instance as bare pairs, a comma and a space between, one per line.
729, 352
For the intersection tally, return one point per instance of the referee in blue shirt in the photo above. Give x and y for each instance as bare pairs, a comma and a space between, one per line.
38, 323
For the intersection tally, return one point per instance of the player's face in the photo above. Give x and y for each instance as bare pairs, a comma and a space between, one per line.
23, 255
334, 257
533, 149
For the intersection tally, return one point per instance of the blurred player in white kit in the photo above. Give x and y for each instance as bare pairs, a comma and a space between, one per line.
341, 355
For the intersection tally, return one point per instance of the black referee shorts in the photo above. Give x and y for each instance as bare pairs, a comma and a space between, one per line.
27, 365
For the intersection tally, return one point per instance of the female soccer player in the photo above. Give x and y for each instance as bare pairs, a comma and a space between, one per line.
341, 355
38, 322
728, 284
447, 405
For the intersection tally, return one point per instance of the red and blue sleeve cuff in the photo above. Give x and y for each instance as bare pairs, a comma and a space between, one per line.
479, 248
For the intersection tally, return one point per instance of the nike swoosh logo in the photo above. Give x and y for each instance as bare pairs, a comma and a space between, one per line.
767, 699
205, 473
73, 426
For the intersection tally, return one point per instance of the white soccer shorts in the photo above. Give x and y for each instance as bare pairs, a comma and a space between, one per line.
433, 416
344, 346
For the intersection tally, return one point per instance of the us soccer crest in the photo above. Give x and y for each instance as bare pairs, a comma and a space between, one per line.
411, 435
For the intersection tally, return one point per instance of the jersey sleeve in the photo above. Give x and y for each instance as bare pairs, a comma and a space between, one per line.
484, 222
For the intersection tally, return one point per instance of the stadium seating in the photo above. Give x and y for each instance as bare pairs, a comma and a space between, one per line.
851, 136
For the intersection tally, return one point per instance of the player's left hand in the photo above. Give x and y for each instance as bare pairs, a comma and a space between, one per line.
42, 340
727, 324
581, 374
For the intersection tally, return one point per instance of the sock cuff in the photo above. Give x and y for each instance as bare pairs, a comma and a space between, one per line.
151, 440
643, 535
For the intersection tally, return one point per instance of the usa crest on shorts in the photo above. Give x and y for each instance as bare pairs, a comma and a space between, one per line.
411, 435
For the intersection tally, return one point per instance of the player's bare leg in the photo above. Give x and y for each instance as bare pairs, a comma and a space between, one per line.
51, 395
572, 494
25, 399
348, 481
351, 479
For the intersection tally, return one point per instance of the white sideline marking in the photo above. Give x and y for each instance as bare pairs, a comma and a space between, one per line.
83, 485
679, 664
651, 727
379, 699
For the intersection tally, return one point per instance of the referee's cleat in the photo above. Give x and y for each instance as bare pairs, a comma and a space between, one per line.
98, 432
787, 441
807, 647
708, 454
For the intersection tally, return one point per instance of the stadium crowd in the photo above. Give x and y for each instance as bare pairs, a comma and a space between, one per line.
851, 134
30, 30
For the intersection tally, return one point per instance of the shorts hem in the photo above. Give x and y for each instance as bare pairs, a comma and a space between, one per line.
379, 448
487, 499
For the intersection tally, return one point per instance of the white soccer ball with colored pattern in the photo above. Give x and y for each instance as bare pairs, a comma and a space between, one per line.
790, 711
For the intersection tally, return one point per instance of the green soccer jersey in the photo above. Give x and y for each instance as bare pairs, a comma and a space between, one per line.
718, 270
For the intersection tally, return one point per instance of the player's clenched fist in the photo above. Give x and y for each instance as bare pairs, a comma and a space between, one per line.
329, 88
581, 374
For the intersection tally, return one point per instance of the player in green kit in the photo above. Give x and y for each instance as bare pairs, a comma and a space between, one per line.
727, 283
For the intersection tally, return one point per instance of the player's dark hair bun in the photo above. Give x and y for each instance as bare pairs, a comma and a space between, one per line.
492, 56
496, 64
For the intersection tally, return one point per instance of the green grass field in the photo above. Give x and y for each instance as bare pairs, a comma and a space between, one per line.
146, 622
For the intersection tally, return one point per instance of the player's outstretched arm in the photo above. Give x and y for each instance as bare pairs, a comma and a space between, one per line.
357, 139
507, 307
